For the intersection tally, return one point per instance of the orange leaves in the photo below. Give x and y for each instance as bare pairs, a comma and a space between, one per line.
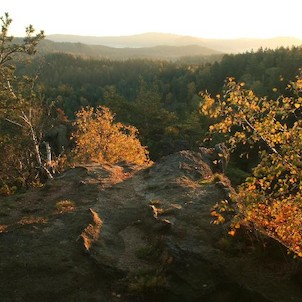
271, 198
232, 232
281, 220
218, 218
220, 210
99, 139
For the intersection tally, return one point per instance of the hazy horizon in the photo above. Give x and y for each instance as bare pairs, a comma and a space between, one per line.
213, 19
174, 34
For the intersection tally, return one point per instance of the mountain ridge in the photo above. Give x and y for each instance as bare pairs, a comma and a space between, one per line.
158, 52
155, 39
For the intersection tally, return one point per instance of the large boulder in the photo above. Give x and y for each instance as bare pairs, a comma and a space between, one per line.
128, 233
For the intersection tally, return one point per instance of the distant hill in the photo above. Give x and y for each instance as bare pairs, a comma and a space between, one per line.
156, 39
161, 52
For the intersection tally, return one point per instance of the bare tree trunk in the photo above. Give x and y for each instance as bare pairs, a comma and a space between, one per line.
48, 153
37, 153
27, 120
34, 139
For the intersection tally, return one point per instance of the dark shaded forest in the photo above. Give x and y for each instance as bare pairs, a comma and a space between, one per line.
160, 98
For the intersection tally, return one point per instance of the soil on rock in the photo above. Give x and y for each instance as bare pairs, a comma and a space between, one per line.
129, 233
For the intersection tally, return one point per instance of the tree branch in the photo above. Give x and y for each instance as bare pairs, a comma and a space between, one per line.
13, 122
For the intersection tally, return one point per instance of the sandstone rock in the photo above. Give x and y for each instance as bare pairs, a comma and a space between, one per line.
134, 234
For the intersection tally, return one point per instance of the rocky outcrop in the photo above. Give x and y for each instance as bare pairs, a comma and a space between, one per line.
127, 233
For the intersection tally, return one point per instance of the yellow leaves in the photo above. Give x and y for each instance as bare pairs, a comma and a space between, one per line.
298, 84
218, 217
240, 136
279, 219
207, 105
234, 227
99, 139
271, 199
212, 128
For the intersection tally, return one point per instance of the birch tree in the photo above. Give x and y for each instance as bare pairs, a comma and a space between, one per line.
271, 198
21, 110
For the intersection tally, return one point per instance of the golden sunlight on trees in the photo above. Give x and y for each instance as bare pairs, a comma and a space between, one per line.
98, 138
271, 199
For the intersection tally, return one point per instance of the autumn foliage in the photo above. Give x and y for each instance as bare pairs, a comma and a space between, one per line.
271, 199
99, 139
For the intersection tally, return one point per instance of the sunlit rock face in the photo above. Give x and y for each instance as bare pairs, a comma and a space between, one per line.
129, 233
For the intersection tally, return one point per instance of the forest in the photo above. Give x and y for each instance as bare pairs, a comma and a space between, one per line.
251, 101
160, 98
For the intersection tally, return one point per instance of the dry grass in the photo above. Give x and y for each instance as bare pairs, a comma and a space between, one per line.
213, 179
187, 182
3, 228
65, 206
92, 231
32, 220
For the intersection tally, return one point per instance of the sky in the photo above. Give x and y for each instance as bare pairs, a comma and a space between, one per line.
222, 19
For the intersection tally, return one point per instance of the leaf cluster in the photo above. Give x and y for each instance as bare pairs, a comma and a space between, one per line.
271, 198
98, 138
